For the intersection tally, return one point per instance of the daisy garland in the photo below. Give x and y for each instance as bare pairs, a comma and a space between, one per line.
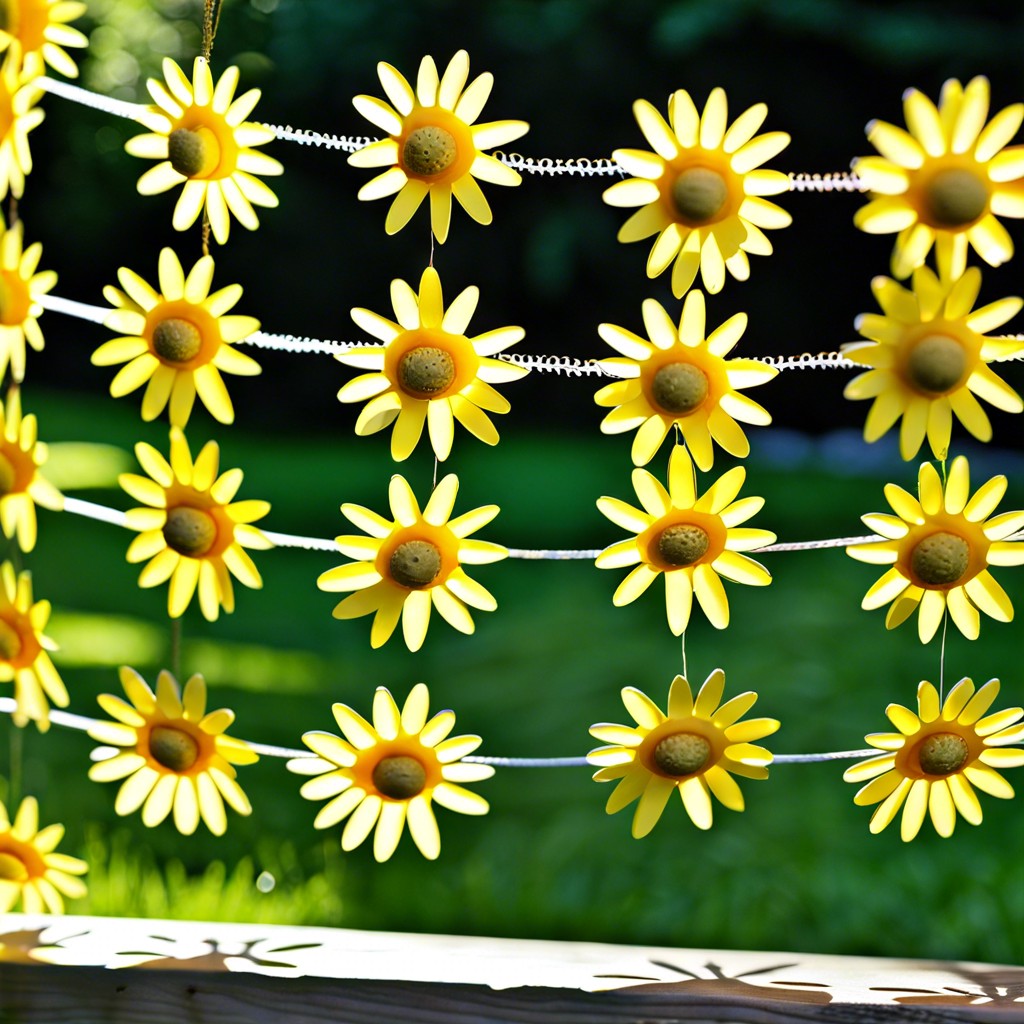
82, 723
569, 366
585, 167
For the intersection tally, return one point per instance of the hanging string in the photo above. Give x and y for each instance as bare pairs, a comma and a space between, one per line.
80, 722
569, 366
584, 167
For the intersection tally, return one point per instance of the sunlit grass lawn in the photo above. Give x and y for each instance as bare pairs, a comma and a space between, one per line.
797, 870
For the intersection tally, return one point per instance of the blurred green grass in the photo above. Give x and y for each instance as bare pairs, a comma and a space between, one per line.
798, 870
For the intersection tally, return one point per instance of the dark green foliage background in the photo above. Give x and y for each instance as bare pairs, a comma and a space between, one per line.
798, 870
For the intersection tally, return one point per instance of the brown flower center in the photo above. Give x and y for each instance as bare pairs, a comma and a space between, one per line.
937, 364
416, 563
189, 531
683, 544
429, 150
682, 754
941, 559
399, 777
943, 753
956, 197
174, 748
193, 152
176, 340
699, 194
426, 371
7, 475
10, 642
679, 387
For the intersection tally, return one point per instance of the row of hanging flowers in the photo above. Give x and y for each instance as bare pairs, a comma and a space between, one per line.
701, 192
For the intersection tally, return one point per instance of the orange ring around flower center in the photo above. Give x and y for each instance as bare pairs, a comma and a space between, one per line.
188, 313
179, 495
955, 526
697, 727
438, 537
711, 367
908, 761
31, 860
19, 623
464, 360
446, 124
922, 361
700, 166
402, 746
951, 192
15, 301
206, 746
195, 118
711, 525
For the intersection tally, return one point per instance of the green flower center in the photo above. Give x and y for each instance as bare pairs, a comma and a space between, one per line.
426, 370
941, 559
682, 545
189, 531
943, 753
937, 364
10, 642
416, 563
176, 340
429, 150
679, 387
174, 748
7, 476
699, 194
682, 754
13, 868
193, 152
399, 777
956, 197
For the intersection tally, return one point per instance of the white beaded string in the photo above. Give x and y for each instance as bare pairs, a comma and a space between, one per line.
585, 167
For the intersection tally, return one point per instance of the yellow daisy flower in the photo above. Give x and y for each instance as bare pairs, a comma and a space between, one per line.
20, 290
415, 561
936, 759
696, 748
939, 549
681, 378
200, 134
389, 773
21, 485
18, 116
23, 650
173, 756
434, 144
428, 370
701, 190
40, 30
690, 541
30, 868
946, 181
929, 357
192, 532
179, 340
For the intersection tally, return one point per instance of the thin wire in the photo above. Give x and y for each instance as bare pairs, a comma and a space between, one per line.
71, 721
942, 657
686, 675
